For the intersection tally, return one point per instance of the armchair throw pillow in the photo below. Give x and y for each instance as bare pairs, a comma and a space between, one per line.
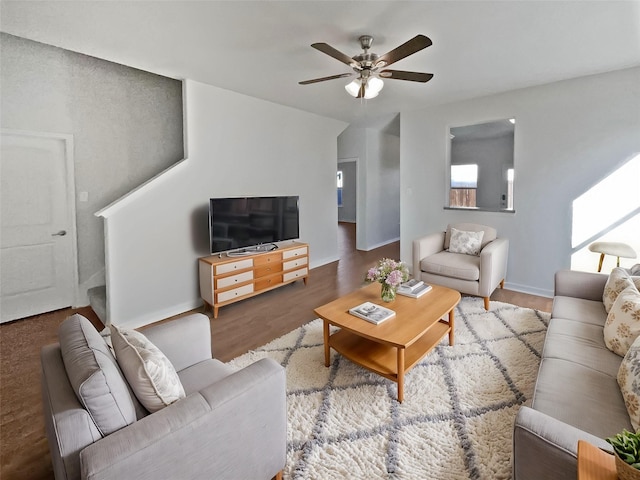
465, 242
623, 322
629, 381
149, 372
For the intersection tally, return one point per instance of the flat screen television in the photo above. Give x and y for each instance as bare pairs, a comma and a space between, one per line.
248, 222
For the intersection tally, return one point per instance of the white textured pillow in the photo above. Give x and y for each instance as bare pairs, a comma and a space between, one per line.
623, 322
618, 280
629, 381
149, 372
465, 242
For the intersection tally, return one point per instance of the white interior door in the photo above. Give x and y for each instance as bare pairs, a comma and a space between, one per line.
38, 266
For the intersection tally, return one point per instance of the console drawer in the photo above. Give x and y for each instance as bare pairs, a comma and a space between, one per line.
298, 262
236, 292
267, 270
267, 282
234, 279
295, 274
233, 266
267, 259
295, 252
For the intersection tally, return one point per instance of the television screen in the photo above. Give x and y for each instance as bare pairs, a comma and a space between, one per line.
236, 223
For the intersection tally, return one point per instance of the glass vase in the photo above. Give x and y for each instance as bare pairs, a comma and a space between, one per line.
388, 293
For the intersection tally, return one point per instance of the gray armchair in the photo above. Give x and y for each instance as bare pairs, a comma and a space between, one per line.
474, 275
231, 425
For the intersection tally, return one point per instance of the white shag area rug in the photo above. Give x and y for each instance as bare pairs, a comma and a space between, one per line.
457, 417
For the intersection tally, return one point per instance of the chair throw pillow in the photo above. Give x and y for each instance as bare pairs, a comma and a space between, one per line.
94, 375
629, 381
465, 242
618, 280
149, 372
623, 322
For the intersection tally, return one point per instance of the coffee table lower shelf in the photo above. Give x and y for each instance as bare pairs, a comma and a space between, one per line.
386, 360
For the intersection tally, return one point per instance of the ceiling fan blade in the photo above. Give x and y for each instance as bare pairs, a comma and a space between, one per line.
402, 75
332, 77
414, 45
337, 54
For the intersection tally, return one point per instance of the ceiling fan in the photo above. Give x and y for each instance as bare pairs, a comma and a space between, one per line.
369, 66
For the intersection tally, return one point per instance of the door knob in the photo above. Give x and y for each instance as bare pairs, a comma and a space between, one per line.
61, 233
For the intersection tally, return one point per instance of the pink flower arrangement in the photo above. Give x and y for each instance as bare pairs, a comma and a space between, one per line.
388, 271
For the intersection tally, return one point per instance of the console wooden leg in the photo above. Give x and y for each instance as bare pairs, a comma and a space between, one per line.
278, 475
502, 283
486, 303
215, 312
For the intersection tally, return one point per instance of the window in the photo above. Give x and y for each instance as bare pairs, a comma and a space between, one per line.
464, 184
339, 185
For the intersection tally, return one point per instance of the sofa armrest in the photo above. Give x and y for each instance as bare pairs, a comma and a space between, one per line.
538, 436
425, 246
493, 265
586, 285
185, 341
234, 428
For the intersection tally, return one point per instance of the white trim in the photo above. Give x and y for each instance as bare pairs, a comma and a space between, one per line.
159, 315
71, 194
322, 262
382, 244
133, 194
541, 292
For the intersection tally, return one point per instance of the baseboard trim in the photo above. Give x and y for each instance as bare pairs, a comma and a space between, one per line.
163, 314
540, 292
382, 244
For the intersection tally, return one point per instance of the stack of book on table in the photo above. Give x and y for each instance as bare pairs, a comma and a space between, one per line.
372, 313
413, 288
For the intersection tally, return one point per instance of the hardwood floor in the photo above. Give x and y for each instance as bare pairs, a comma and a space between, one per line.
239, 327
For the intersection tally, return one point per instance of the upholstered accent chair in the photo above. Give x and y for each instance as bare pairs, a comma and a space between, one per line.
228, 424
478, 271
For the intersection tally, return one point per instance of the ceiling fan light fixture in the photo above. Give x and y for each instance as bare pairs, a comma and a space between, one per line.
353, 87
372, 87
374, 84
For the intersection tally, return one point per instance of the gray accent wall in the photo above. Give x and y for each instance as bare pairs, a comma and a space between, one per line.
127, 126
569, 136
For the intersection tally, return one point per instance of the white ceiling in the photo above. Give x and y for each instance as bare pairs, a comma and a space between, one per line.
262, 48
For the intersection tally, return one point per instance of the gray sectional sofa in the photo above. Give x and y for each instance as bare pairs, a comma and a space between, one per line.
576, 396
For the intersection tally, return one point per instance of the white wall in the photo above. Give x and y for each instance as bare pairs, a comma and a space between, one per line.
378, 195
569, 135
236, 146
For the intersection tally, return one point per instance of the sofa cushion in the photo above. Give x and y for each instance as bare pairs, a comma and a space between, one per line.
623, 323
579, 309
94, 375
464, 267
465, 242
629, 381
580, 396
618, 280
581, 343
203, 374
148, 371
